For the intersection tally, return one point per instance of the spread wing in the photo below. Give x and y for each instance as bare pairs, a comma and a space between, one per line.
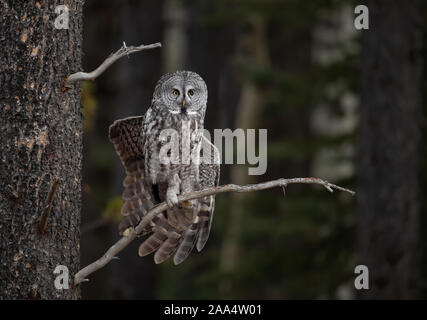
168, 228
125, 134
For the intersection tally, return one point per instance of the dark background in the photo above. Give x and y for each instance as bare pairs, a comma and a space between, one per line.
339, 103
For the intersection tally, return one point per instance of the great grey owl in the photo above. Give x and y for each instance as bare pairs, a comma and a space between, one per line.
178, 106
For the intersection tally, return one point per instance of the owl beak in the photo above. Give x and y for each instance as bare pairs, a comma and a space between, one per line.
183, 108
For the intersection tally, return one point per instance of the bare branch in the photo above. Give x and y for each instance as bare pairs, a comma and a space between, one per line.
124, 241
123, 51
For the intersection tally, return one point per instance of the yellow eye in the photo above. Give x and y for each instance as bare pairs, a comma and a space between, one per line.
191, 92
175, 92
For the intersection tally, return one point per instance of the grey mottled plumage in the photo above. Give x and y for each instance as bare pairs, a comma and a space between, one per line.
178, 97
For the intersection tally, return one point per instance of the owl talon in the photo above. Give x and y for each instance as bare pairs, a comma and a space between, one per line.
187, 204
173, 191
172, 200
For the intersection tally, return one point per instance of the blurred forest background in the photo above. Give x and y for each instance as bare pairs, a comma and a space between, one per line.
293, 67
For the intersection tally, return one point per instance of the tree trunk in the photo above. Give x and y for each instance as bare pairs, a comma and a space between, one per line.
41, 130
389, 139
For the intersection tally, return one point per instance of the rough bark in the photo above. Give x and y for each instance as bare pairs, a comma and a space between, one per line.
389, 139
41, 131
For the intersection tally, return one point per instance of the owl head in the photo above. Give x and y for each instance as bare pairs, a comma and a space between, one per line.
181, 92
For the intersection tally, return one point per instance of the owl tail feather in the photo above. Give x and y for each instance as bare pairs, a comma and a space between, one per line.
164, 240
160, 228
167, 240
205, 216
153, 242
168, 247
188, 242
